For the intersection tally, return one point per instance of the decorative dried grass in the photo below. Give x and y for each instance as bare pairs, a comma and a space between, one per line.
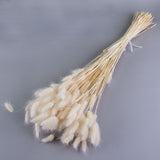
71, 106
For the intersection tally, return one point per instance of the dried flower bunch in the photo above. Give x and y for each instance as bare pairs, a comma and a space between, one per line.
70, 108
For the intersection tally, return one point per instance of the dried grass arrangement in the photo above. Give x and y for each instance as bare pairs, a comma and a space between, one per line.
70, 108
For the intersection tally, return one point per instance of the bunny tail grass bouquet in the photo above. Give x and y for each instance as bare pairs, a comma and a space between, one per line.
68, 110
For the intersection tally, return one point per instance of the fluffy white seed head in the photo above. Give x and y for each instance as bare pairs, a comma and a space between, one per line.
50, 123
74, 110
54, 86
68, 97
37, 130
94, 134
60, 126
48, 139
84, 146
61, 93
40, 117
69, 121
34, 108
84, 136
44, 92
9, 107
67, 78
81, 110
61, 104
84, 125
92, 118
64, 113
76, 142
47, 99
67, 139
27, 117
72, 128
47, 107
77, 71
27, 108
54, 110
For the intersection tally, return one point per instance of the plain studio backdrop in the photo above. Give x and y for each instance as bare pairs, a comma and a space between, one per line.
43, 40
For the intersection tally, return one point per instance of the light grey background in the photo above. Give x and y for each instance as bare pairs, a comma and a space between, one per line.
43, 40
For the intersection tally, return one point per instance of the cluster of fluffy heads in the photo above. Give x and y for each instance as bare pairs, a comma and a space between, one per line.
69, 108
65, 111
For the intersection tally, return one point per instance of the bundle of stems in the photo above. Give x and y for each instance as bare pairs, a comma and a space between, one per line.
70, 108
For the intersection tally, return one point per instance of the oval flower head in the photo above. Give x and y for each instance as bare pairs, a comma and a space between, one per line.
9, 107
70, 107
